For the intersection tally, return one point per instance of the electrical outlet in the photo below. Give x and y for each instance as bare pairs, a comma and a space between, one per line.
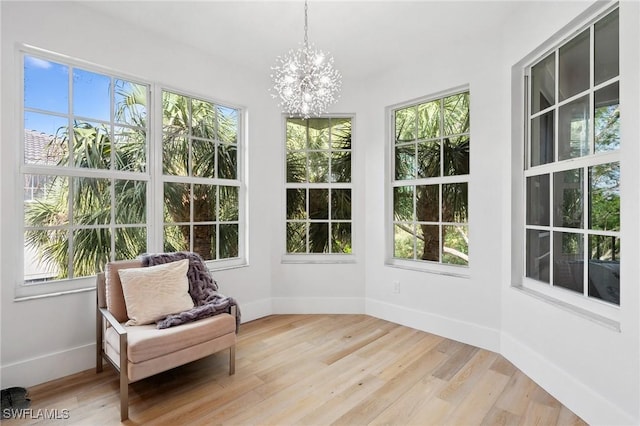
396, 287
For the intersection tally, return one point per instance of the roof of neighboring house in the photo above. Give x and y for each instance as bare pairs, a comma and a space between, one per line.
38, 148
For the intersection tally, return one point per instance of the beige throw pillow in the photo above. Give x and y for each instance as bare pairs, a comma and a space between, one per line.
154, 292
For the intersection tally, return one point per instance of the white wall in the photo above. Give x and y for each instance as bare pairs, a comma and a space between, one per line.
590, 368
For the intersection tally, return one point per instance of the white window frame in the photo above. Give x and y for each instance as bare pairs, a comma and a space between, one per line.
319, 258
597, 310
152, 175
461, 271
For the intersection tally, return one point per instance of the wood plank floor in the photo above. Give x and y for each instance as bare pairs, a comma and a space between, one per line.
317, 370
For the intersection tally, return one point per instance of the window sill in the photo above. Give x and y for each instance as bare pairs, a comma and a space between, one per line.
430, 268
318, 259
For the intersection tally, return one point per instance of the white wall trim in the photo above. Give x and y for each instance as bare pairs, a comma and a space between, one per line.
318, 305
593, 407
451, 328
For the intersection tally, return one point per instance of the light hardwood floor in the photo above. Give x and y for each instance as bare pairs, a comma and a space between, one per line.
317, 370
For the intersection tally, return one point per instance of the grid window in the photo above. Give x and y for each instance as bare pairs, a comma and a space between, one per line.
430, 180
318, 186
572, 173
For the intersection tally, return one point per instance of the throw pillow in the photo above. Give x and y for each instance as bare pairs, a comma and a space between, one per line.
154, 292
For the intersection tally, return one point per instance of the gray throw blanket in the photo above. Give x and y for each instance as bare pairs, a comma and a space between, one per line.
202, 288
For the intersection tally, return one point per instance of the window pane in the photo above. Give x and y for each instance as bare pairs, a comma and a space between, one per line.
537, 255
428, 242
454, 202
296, 134
427, 203
296, 167
46, 85
429, 159
567, 261
177, 202
176, 114
456, 114
37, 266
542, 129
341, 204
607, 118
318, 237
405, 162
130, 103
204, 203
227, 161
131, 201
91, 95
175, 156
204, 241
130, 242
319, 203
543, 84
130, 149
341, 166
318, 166
341, 237
91, 251
573, 129
538, 200
296, 237
91, 145
429, 120
568, 199
405, 120
46, 200
403, 241
228, 241
229, 203
574, 66
203, 158
455, 245
203, 119
227, 124
456, 156
403, 203
606, 46
45, 139
340, 133
319, 131
604, 197
604, 268
296, 203
91, 201
177, 238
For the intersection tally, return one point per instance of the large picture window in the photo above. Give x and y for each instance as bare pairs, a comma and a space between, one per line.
572, 172
89, 177
318, 186
430, 180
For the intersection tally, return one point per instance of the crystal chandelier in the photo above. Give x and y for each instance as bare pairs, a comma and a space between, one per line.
305, 82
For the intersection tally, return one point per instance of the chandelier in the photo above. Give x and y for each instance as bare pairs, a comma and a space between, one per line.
305, 82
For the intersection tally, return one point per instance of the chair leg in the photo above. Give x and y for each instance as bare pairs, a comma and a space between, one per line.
232, 360
124, 380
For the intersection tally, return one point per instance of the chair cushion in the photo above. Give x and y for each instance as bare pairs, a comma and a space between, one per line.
146, 342
154, 292
113, 287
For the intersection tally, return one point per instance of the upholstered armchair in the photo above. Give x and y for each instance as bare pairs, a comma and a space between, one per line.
140, 351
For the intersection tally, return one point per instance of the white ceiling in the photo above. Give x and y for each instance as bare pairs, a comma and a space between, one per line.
364, 37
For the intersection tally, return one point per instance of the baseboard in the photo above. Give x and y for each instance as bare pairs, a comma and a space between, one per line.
591, 406
253, 310
318, 305
461, 331
35, 371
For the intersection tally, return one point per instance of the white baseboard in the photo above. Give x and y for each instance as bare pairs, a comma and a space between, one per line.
318, 305
35, 371
253, 310
591, 406
465, 332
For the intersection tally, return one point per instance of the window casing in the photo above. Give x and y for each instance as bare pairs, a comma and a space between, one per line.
572, 167
318, 188
429, 183
90, 173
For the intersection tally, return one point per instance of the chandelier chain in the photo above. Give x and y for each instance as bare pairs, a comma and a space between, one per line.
306, 25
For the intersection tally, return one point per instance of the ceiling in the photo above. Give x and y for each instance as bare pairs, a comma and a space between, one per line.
364, 37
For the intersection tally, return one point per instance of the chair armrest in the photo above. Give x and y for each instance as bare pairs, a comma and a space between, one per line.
112, 321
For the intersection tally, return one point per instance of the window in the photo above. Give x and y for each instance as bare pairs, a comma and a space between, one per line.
430, 153
318, 186
89, 177
572, 167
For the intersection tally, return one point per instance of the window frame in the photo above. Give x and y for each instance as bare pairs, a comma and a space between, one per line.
603, 312
152, 175
435, 267
311, 257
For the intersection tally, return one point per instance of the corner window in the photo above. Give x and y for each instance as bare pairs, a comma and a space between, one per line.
430, 182
572, 168
318, 186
